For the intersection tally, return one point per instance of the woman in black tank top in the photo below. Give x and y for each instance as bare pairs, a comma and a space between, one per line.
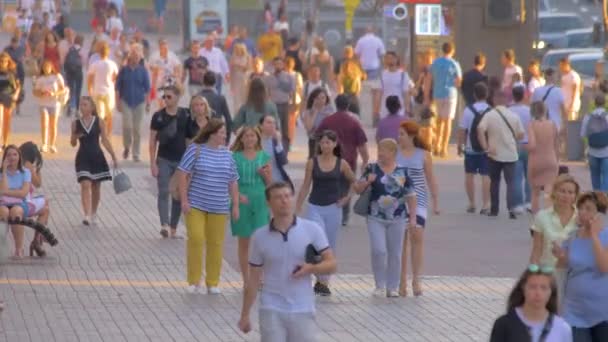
9, 93
325, 173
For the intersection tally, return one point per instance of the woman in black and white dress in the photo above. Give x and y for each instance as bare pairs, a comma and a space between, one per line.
91, 165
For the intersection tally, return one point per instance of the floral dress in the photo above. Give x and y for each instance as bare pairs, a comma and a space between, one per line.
389, 193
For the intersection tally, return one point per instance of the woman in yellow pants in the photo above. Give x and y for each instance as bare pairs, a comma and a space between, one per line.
206, 174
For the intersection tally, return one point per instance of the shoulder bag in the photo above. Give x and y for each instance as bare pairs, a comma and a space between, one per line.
361, 206
174, 183
502, 116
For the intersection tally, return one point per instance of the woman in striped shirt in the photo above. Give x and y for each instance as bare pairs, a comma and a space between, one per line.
415, 155
207, 185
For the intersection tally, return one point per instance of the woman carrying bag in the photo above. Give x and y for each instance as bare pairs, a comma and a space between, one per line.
89, 134
390, 202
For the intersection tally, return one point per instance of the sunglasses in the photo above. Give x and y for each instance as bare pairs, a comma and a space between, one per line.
167, 97
534, 268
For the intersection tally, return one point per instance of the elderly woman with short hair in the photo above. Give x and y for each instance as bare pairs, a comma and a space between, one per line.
392, 203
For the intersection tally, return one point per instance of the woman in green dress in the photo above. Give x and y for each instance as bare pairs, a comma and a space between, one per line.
255, 172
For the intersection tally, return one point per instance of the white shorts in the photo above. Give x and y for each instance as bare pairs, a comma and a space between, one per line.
446, 108
278, 326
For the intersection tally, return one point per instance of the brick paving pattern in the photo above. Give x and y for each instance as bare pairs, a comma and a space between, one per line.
118, 281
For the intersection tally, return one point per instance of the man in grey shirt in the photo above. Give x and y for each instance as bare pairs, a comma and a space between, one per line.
281, 87
278, 252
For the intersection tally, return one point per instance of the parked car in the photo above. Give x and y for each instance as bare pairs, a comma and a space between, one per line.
553, 26
551, 59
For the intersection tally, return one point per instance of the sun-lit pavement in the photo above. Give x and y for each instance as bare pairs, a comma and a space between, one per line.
118, 281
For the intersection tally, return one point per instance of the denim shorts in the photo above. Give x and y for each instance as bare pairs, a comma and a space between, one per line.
476, 164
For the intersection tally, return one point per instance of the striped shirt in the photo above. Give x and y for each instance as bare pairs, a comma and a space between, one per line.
415, 168
212, 173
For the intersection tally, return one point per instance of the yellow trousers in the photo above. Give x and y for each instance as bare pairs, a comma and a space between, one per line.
204, 229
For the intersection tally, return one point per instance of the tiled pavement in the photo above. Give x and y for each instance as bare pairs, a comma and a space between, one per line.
117, 281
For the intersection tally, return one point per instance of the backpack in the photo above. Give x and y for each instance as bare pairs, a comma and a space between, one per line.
475, 145
73, 62
597, 130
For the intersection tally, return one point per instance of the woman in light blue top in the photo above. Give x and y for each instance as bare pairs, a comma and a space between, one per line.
585, 254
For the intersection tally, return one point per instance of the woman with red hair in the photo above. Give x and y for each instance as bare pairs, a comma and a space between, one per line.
415, 155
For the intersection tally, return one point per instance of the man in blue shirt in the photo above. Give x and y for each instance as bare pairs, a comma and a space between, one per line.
446, 78
132, 88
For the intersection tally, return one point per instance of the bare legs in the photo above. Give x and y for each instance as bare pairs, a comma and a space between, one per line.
469, 184
416, 237
17, 230
444, 130
6, 115
44, 127
90, 194
243, 254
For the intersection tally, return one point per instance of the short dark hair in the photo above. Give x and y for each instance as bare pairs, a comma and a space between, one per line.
518, 93
393, 104
209, 79
173, 88
342, 102
549, 72
276, 186
509, 54
480, 91
447, 47
212, 127
480, 59
277, 59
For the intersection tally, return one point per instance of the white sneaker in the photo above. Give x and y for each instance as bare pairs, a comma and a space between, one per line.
44, 148
94, 219
379, 293
214, 291
193, 289
392, 294
518, 210
53, 149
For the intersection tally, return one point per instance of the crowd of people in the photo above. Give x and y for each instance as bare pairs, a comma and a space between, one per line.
221, 162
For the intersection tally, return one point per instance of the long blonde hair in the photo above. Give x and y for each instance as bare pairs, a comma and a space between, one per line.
238, 145
208, 111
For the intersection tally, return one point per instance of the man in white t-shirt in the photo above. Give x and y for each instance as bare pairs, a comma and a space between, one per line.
394, 81
499, 133
101, 82
165, 67
370, 51
553, 97
217, 61
475, 160
511, 69
571, 87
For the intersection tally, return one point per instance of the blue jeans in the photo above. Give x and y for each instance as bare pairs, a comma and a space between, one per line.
75, 86
169, 210
522, 186
329, 217
599, 173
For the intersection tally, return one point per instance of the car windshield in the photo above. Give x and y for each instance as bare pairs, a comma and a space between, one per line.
585, 67
560, 24
580, 40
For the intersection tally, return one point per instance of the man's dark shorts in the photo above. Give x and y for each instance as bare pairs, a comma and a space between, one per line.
476, 164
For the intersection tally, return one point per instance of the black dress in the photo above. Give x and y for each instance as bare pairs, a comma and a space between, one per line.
91, 163
8, 86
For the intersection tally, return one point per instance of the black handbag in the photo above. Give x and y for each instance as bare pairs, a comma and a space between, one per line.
312, 256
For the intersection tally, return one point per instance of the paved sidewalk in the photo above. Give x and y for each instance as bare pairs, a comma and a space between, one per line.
118, 281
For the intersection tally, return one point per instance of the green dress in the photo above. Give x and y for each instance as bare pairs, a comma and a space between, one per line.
254, 214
